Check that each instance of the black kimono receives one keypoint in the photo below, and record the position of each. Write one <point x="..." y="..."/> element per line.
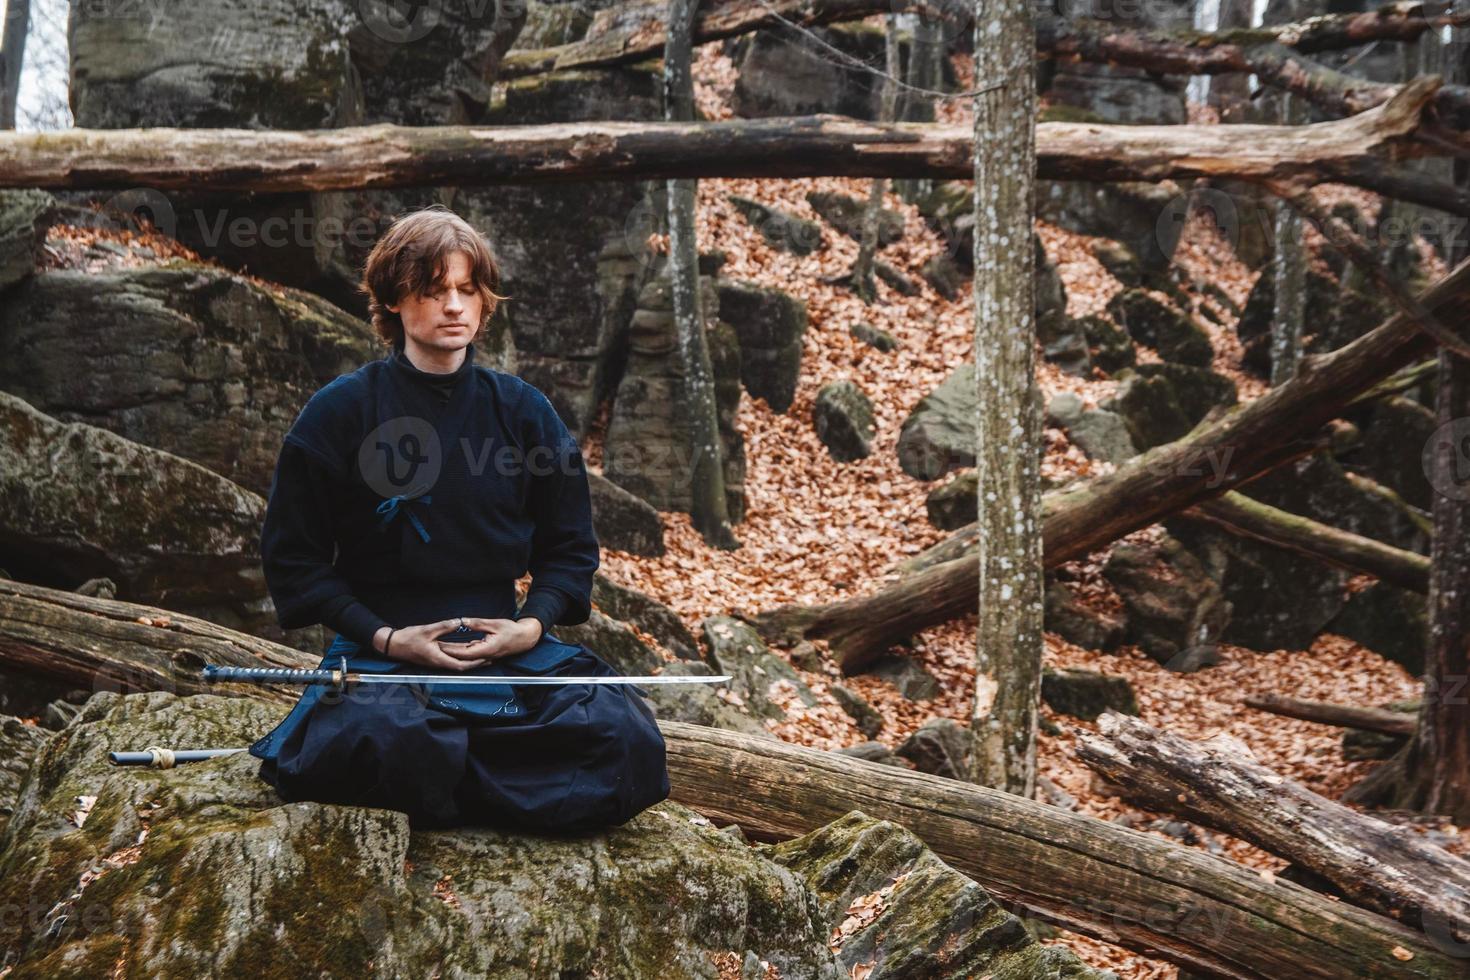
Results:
<point x="401" y="498"/>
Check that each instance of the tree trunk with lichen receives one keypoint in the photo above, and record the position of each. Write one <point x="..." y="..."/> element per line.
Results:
<point x="707" y="507"/>
<point x="1008" y="642"/>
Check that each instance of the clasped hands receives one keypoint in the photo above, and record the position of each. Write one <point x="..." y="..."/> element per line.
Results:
<point x="421" y="644"/>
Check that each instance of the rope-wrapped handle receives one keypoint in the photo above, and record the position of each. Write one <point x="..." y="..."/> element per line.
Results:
<point x="270" y="675"/>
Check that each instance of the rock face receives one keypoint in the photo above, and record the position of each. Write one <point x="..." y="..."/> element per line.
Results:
<point x="649" y="450"/>
<point x="573" y="255"/>
<point x="277" y="64"/>
<point x="78" y="502"/>
<point x="1390" y="621"/>
<point x="24" y="217"/>
<point x="940" y="746"/>
<point x="201" y="870"/>
<point x="782" y="77"/>
<point x="1076" y="623"/>
<point x="761" y="680"/>
<point x="646" y="613"/>
<point x="771" y="325"/>
<point x="181" y="357"/>
<point x="1086" y="694"/>
<point x="845" y="213"/>
<point x="782" y="230"/>
<point x="843" y="418"/>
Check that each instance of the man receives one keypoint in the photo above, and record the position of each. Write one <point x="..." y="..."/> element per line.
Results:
<point x="409" y="497"/>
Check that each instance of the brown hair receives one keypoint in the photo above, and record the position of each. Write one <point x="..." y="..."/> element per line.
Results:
<point x="413" y="255"/>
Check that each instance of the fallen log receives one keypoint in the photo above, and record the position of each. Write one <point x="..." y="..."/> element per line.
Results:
<point x="1247" y="518"/>
<point x="107" y="644"/>
<point x="1219" y="455"/>
<point x="1340" y="715"/>
<point x="1207" y="914"/>
<point x="1218" y="783"/>
<point x="1089" y="875"/>
<point x="1343" y="150"/>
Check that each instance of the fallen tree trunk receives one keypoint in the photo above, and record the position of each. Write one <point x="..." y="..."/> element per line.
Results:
<point x="1340" y="715"/>
<point x="1240" y="445"/>
<point x="1343" y="150"/>
<point x="1207" y="914"/>
<point x="1247" y="518"/>
<point x="105" y="644"/>
<point x="1100" y="879"/>
<point x="1218" y="783"/>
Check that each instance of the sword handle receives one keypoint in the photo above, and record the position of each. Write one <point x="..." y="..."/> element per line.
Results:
<point x="269" y="675"/>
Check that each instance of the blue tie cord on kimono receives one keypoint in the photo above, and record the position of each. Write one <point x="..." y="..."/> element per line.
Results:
<point x="509" y="495"/>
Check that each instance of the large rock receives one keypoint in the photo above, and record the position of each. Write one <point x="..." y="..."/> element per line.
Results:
<point x="1176" y="611"/>
<point x="183" y="357"/>
<point x="940" y="746"/>
<point x="702" y="704"/>
<point x="1076" y="623"/>
<point x="930" y="921"/>
<point x="939" y="434"/>
<point x="623" y="521"/>
<point x="649" y="447"/>
<point x="78" y="502"/>
<point x="1086" y="694"/>
<point x="1318" y="487"/>
<point x="1394" y="433"/>
<point x="1280" y="599"/>
<point x="771" y="325"/>
<point x="272" y="64"/>
<point x="1334" y="314"/>
<point x="782" y="230"/>
<point x="1136" y="214"/>
<point x="204" y="871"/>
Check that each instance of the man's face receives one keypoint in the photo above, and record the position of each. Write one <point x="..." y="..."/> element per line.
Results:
<point x="445" y="318"/>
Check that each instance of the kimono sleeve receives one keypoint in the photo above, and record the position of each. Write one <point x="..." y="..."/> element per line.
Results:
<point x="297" y="551"/>
<point x="564" y="551"/>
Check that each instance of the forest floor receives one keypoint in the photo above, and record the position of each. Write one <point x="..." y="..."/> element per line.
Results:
<point x="818" y="531"/>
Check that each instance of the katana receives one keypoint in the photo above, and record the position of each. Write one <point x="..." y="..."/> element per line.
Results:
<point x="339" y="676"/>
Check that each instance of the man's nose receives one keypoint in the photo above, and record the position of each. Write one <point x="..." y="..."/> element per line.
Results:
<point x="455" y="301"/>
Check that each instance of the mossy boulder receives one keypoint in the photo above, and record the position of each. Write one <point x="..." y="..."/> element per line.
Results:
<point x="648" y="614"/>
<point x="843" y="417"/>
<point x="1161" y="403"/>
<point x="1174" y="335"/>
<point x="1175" y="609"/>
<point x="1077" y="623"/>
<point x="735" y="648"/>
<point x="19" y="745"/>
<point x="845" y="213"/>
<point x="771" y="325"/>
<point x="201" y="870"/>
<point x="623" y="521"/>
<point x="916" y="916"/>
<point x="24" y="216"/>
<point x="1086" y="694"/>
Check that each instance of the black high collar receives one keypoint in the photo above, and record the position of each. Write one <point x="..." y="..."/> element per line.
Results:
<point x="400" y="363"/>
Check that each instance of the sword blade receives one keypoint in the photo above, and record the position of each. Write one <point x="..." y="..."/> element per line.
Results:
<point x="440" y="680"/>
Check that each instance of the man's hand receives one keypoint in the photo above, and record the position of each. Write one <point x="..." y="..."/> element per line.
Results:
<point x="420" y="645"/>
<point x="503" y="637"/>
